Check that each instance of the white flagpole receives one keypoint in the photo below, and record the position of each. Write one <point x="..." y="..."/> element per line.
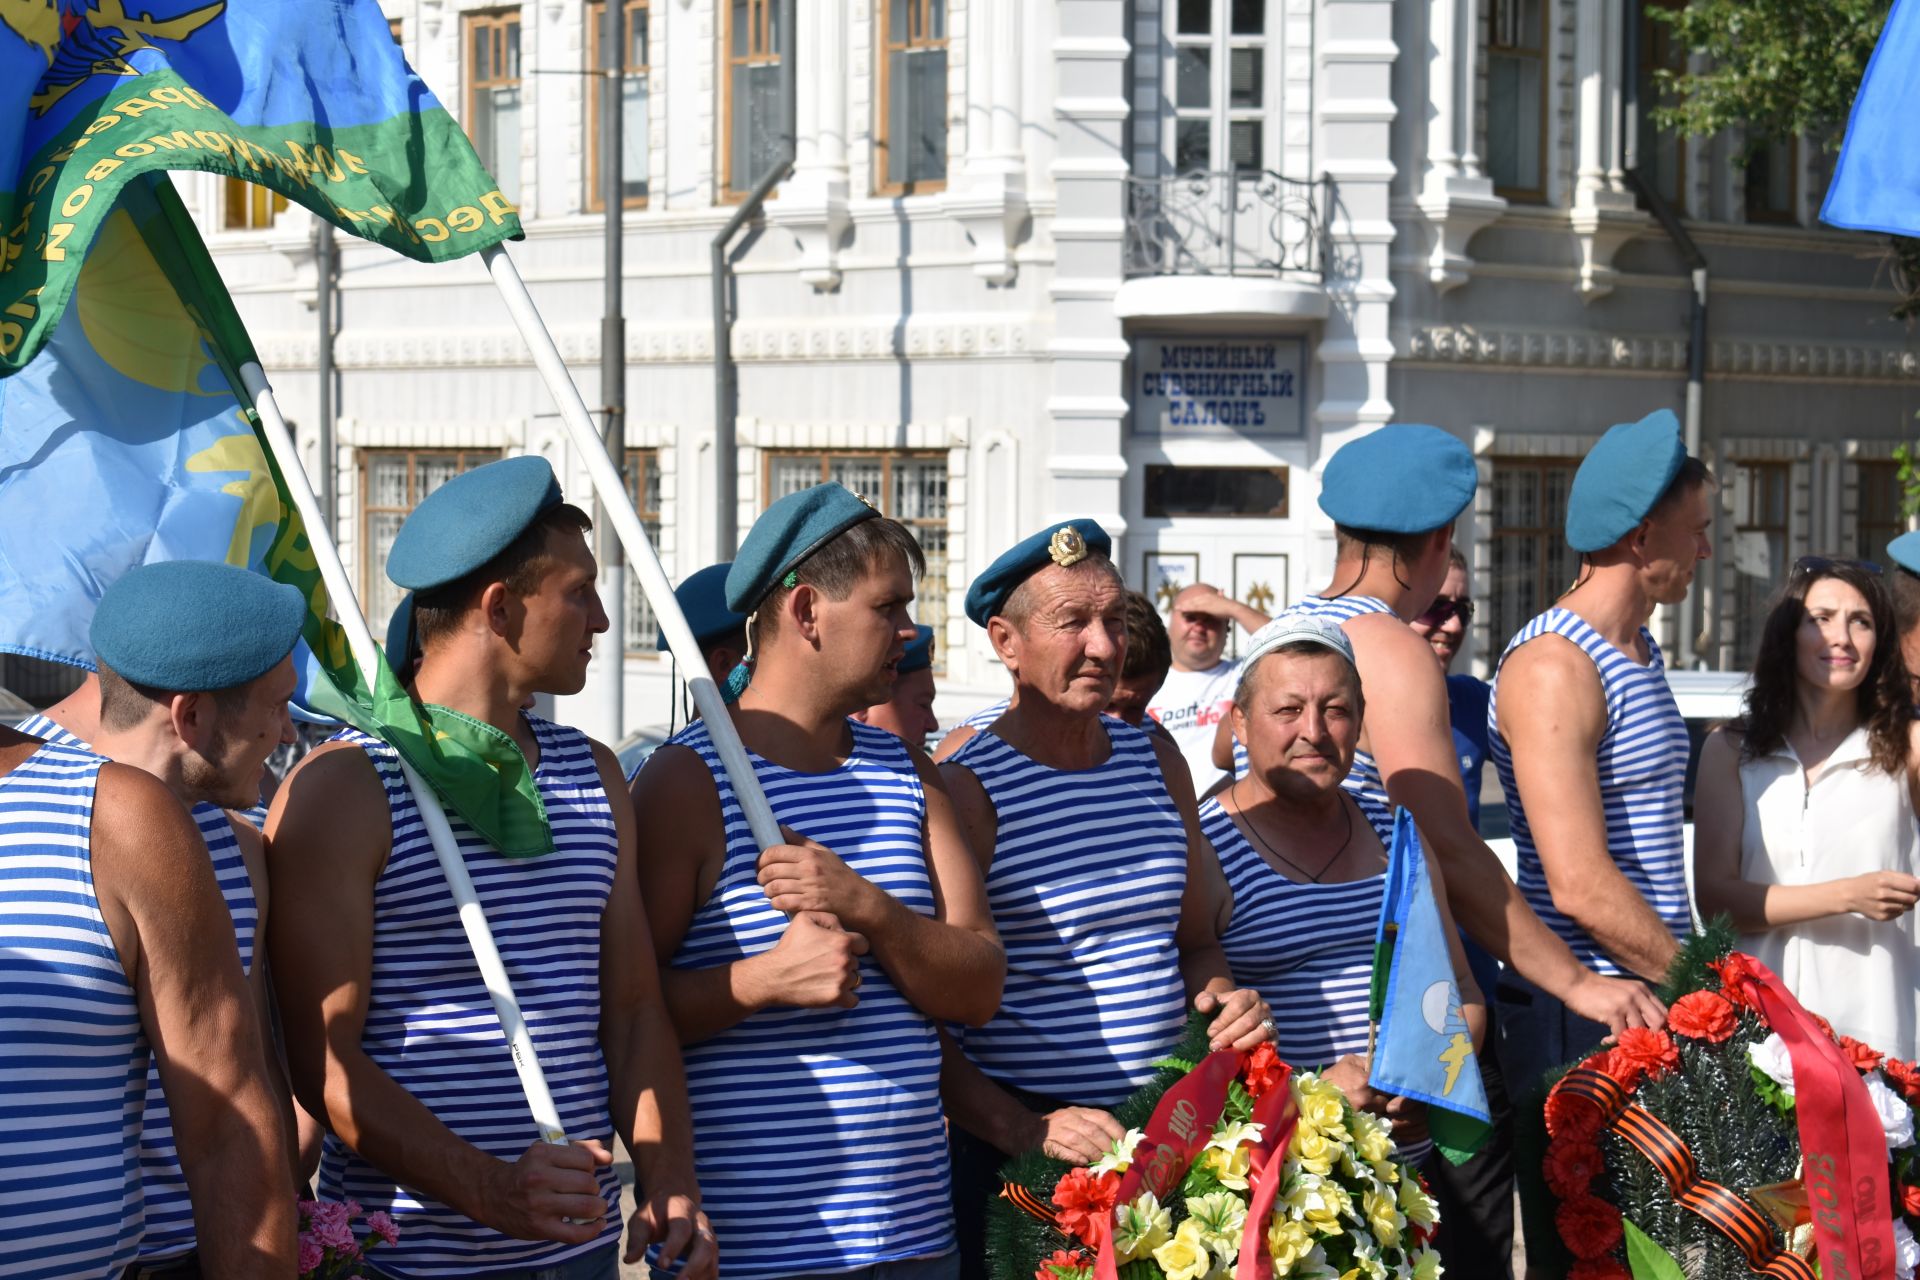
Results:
<point x="533" y="1081"/>
<point x="640" y="553"/>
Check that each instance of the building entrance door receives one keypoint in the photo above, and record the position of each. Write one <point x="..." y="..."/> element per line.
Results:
<point x="1252" y="564"/>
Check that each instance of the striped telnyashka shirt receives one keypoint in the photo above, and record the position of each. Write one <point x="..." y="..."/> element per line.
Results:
<point x="1089" y="867"/>
<point x="818" y="1136"/>
<point x="1363" y="781"/>
<point x="1643" y="773"/>
<point x="430" y="1024"/>
<point x="986" y="715"/>
<point x="169" y="1232"/>
<point x="73" y="1055"/>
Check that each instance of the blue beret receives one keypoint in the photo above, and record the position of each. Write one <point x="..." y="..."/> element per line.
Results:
<point x="919" y="655"/>
<point x="1066" y="543"/>
<point x="188" y="626"/>
<point x="703" y="598"/>
<point x="788" y="532"/>
<point x="469" y="520"/>
<point x="1621" y="479"/>
<point x="1905" y="552"/>
<point x="401" y="637"/>
<point x="1401" y="478"/>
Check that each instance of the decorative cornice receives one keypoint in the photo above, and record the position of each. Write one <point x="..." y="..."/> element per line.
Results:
<point x="1655" y="353"/>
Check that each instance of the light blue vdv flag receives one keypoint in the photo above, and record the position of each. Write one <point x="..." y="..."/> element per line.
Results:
<point x="1876" y="182"/>
<point x="1423" y="1050"/>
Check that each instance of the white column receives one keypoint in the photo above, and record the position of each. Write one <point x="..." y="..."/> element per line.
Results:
<point x="1589" y="65"/>
<point x="987" y="193"/>
<point x="979" y="40"/>
<point x="831" y="106"/>
<point x="1604" y="216"/>
<point x="813" y="202"/>
<point x="1466" y="63"/>
<point x="1614" y="144"/>
<point x="1008" y="71"/>
<point x="1444" y="72"/>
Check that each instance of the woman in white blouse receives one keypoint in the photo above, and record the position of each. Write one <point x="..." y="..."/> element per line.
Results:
<point x="1804" y="812"/>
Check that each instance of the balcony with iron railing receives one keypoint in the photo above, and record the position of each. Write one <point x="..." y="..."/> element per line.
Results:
<point x="1224" y="244"/>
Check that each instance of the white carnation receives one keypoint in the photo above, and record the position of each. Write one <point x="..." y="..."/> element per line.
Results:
<point x="1906" y="1251"/>
<point x="1770" y="1055"/>
<point x="1896" y="1117"/>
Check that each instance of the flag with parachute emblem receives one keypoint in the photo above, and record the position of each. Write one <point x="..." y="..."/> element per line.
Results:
<point x="308" y="97"/>
<point x="1422" y="1048"/>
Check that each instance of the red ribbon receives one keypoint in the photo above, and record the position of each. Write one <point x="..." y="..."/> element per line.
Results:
<point x="1842" y="1146"/>
<point x="1181" y="1126"/>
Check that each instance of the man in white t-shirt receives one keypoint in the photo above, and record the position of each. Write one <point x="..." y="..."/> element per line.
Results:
<point x="1199" y="689"/>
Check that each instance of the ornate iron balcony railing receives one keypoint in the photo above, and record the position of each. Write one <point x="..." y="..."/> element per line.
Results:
<point x="1250" y="222"/>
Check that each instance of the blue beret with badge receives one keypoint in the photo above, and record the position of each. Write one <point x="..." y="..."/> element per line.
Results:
<point x="1905" y="552"/>
<point x="402" y="638"/>
<point x="1400" y="478"/>
<point x="1622" y="478"/>
<point x="469" y="520"/>
<point x="786" y="533"/>
<point x="919" y="655"/>
<point x="1065" y="544"/>
<point x="191" y="626"/>
<point x="703" y="598"/>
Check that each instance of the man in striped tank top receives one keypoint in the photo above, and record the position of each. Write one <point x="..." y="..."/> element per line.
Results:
<point x="202" y="1145"/>
<point x="391" y="1036"/>
<point x="808" y="980"/>
<point x="174" y="626"/>
<point x="1588" y="739"/>
<point x="1393" y="496"/>
<point x="1107" y="897"/>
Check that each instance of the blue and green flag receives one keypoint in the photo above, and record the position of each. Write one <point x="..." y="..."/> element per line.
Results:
<point x="308" y="97"/>
<point x="1422" y="1048"/>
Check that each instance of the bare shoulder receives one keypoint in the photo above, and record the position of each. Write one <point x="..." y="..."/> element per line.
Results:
<point x="1549" y="682"/>
<point x="332" y="807"/>
<point x="675" y="798"/>
<point x="143" y="841"/>
<point x="958" y="737"/>
<point x="923" y="765"/>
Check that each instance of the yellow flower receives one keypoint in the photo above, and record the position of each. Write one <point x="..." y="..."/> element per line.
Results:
<point x="1119" y="1156"/>
<point x="1230" y="1167"/>
<point x="1371" y="1139"/>
<point x="1419" y="1207"/>
<point x="1322" y="1106"/>
<point x="1219" y="1217"/>
<point x="1288" y="1242"/>
<point x="1185" y="1257"/>
<point x="1384" y="1219"/>
<point x="1316" y="1202"/>
<point x="1141" y="1227"/>
<point x="1426" y="1265"/>
<point x="1315" y="1151"/>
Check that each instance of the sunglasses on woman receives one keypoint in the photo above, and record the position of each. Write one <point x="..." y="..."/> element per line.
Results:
<point x="1820" y="564"/>
<point x="1445" y="607"/>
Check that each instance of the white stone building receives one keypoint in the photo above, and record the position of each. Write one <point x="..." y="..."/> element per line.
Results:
<point x="1149" y="262"/>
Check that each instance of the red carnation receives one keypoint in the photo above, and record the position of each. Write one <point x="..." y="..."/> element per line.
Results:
<point x="1589" y="1226"/>
<point x="1572" y="1117"/>
<point x="1086" y="1201"/>
<point x="1064" y="1264"/>
<point x="1598" y="1269"/>
<point x="1653" y="1052"/>
<point x="1864" y="1057"/>
<point x="1737" y="979"/>
<point x="1263" y="1069"/>
<point x="1824" y="1026"/>
<point x="1910" y="1201"/>
<point x="1624" y="1070"/>
<point x="1703" y="1015"/>
<point x="1571" y="1167"/>
<point x="1905" y="1077"/>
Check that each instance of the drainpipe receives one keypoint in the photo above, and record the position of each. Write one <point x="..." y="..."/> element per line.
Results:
<point x="726" y="378"/>
<point x="1699" y="603"/>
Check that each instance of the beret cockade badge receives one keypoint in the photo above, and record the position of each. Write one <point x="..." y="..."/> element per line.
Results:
<point x="1067" y="547"/>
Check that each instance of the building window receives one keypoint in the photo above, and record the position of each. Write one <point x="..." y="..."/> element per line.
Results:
<point x="634" y="103"/>
<point x="1881" y="518"/>
<point x="493" y="94"/>
<point x="1760" y="492"/>
<point x="1218" y="77"/>
<point x="1663" y="155"/>
<point x="1532" y="563"/>
<point x="754" y="123"/>
<point x="910" y="487"/>
<point x="912" y="119"/>
<point x="643" y="486"/>
<point x="392" y="483"/>
<point x="250" y="207"/>
<point x="1771" y="189"/>
<point x="1517" y="99"/>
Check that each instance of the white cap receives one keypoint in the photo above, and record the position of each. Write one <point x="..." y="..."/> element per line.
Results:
<point x="1297" y="628"/>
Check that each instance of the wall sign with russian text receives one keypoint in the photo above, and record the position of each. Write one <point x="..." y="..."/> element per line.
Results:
<point x="1219" y="386"/>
